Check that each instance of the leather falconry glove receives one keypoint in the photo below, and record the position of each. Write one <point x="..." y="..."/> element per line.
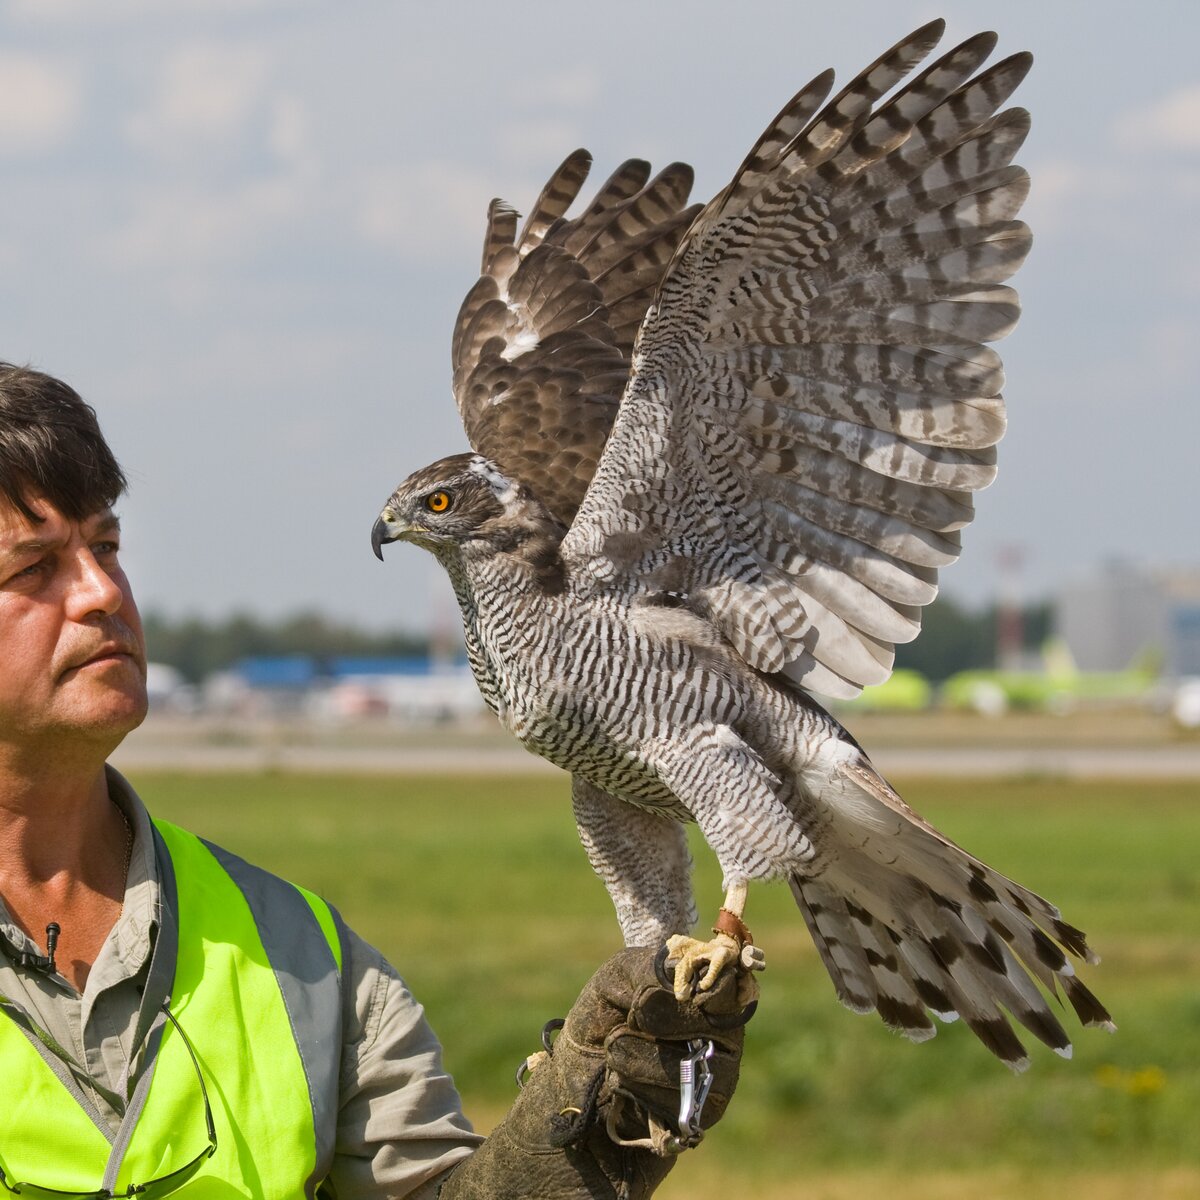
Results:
<point x="606" y="1109"/>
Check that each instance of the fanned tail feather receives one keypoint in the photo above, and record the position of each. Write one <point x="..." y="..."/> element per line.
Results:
<point x="910" y="925"/>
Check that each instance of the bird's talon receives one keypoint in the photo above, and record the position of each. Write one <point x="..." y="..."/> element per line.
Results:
<point x="698" y="965"/>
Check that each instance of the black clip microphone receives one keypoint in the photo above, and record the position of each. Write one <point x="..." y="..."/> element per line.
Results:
<point x="52" y="932"/>
<point x="36" y="962"/>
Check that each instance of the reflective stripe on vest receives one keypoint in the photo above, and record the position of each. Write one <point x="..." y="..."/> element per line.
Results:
<point x="257" y="989"/>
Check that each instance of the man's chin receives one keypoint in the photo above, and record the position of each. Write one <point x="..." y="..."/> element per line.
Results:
<point x="111" y="713"/>
<point x="113" y="727"/>
<point x="129" y="711"/>
<point x="135" y="716"/>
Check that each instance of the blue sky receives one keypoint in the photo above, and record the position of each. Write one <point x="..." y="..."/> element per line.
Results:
<point x="242" y="228"/>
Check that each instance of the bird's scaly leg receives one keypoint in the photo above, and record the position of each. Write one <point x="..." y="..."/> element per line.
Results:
<point x="698" y="964"/>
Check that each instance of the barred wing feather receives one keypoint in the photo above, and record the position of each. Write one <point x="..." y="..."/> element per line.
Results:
<point x="813" y="403"/>
<point x="542" y="345"/>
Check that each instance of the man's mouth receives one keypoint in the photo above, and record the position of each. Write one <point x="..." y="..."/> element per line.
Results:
<point x="110" y="652"/>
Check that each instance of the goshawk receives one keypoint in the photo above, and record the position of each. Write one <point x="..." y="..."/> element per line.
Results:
<point x="719" y="455"/>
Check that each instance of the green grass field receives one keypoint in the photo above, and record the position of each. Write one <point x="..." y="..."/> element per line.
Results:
<point x="480" y="893"/>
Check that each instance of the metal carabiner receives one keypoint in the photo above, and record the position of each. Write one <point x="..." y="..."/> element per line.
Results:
<point x="695" y="1081"/>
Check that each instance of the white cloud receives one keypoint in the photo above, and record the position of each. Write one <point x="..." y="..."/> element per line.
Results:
<point x="1170" y="350"/>
<point x="575" y="88"/>
<point x="289" y="136"/>
<point x="278" y="361"/>
<point x="1069" y="195"/>
<point x="540" y="144"/>
<point x="206" y="93"/>
<point x="434" y="209"/>
<point x="424" y="209"/>
<point x="39" y="103"/>
<point x="178" y="226"/>
<point x="1171" y="124"/>
<point x="112" y="12"/>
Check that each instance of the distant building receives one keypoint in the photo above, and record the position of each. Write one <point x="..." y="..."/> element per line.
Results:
<point x="1125" y="616"/>
<point x="280" y="684"/>
<point x="167" y="690"/>
<point x="411" y="689"/>
<point x="347" y="687"/>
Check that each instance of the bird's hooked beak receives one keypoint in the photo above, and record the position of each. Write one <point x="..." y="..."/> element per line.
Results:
<point x="386" y="529"/>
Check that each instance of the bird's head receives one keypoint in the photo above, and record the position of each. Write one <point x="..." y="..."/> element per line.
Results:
<point x="446" y="504"/>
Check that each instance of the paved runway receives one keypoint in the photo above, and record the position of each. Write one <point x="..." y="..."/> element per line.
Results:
<point x="1153" y="762"/>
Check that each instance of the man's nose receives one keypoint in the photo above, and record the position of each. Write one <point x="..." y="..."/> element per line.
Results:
<point x="92" y="589"/>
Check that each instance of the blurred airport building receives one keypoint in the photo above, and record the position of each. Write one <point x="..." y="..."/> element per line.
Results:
<point x="1127" y="636"/>
<point x="415" y="690"/>
<point x="1127" y="617"/>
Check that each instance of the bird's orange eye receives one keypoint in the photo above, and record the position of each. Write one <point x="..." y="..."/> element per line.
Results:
<point x="437" y="502"/>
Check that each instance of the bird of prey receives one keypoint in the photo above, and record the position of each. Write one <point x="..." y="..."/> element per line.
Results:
<point x="719" y="455"/>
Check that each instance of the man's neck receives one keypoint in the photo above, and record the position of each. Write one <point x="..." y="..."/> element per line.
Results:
<point x="64" y="849"/>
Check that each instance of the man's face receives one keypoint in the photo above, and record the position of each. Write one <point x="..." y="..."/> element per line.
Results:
<point x="72" y="657"/>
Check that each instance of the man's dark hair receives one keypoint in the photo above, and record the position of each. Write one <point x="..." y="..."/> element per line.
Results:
<point x="51" y="446"/>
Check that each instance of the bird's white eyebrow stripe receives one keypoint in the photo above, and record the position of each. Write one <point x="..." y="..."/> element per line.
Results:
<point x="504" y="488"/>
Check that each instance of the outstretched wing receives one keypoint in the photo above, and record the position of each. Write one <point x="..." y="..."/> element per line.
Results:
<point x="813" y="404"/>
<point x="543" y="340"/>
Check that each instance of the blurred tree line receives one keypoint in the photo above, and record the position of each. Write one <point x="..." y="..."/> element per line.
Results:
<point x="197" y="647"/>
<point x="953" y="638"/>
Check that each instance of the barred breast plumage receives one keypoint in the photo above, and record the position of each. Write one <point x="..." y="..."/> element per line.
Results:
<point x="720" y="454"/>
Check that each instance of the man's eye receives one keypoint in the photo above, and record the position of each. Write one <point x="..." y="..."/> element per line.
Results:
<point x="438" y="502"/>
<point x="32" y="571"/>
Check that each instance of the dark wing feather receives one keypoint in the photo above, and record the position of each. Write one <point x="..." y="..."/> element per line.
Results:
<point x="543" y="341"/>
<point x="814" y="404"/>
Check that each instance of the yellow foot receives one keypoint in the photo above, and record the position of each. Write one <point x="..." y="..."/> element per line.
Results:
<point x="698" y="965"/>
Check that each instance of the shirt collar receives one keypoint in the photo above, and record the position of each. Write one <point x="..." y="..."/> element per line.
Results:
<point x="141" y="910"/>
<point x="133" y="935"/>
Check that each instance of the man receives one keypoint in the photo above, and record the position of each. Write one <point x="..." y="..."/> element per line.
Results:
<point x="173" y="1019"/>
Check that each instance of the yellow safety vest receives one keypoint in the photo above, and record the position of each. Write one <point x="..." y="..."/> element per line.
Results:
<point x="257" y="990"/>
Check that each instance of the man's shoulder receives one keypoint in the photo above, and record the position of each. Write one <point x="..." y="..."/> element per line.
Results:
<point x="284" y="912"/>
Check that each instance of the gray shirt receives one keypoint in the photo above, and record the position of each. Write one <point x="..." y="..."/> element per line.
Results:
<point x="400" y="1121"/>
